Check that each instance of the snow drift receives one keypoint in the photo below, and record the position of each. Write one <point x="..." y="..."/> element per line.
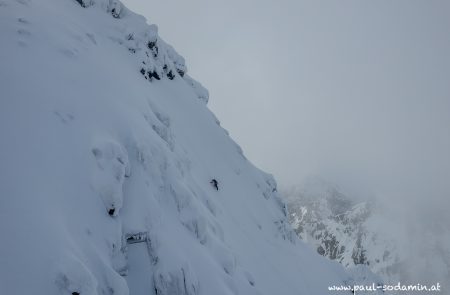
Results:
<point x="108" y="150"/>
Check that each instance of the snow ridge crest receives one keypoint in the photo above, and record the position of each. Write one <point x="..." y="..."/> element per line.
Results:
<point x="159" y="60"/>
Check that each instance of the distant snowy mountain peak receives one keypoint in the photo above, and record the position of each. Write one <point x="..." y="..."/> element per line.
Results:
<point x="341" y="228"/>
<point x="108" y="154"/>
<point x="368" y="236"/>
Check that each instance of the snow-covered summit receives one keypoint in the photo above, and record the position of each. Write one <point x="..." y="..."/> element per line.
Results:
<point x="108" y="156"/>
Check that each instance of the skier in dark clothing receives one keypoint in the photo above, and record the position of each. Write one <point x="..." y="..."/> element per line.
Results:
<point x="215" y="184"/>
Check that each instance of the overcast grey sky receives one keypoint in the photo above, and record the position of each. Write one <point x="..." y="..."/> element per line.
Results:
<point x="355" y="91"/>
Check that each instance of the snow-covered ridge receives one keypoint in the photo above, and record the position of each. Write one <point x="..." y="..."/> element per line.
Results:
<point x="107" y="178"/>
<point x="158" y="59"/>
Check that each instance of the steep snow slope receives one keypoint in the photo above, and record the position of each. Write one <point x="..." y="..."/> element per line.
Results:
<point x="107" y="152"/>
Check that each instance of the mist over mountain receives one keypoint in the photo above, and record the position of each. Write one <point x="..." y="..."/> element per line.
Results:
<point x="117" y="178"/>
<point x="368" y="231"/>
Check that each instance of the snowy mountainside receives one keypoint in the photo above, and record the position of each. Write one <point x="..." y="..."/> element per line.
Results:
<point x="108" y="153"/>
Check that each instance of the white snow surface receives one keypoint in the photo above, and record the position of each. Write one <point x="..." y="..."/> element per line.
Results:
<point x="94" y="148"/>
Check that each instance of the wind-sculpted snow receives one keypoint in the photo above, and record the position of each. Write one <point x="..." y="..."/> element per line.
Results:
<point x="113" y="167"/>
<point x="108" y="155"/>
